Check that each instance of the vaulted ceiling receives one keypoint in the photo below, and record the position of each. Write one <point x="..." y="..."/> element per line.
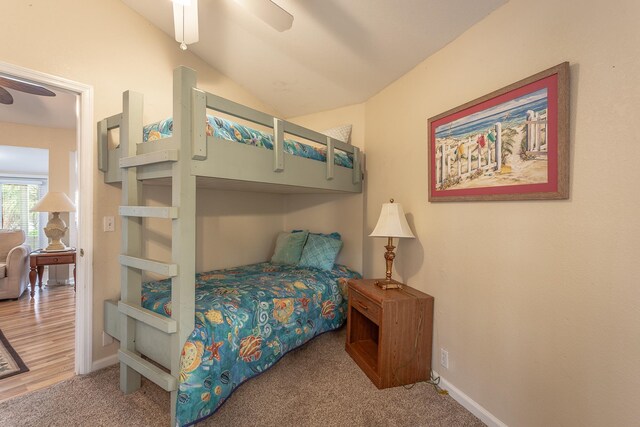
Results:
<point x="338" y="52"/>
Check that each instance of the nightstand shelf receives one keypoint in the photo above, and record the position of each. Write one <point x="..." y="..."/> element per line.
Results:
<point x="382" y="326"/>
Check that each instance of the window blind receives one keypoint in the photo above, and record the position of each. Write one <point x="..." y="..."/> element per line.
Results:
<point x="17" y="196"/>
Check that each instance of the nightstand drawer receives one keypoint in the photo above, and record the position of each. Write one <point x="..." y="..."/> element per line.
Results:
<point x="365" y="306"/>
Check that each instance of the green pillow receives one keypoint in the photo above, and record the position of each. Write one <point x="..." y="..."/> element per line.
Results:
<point x="320" y="252"/>
<point x="289" y="247"/>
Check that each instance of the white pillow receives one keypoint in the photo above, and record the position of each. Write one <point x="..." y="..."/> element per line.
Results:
<point x="341" y="133"/>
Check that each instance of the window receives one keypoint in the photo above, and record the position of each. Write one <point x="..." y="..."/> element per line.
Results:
<point x="17" y="197"/>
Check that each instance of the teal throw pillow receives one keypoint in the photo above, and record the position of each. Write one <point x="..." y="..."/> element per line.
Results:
<point x="289" y="247"/>
<point x="320" y="252"/>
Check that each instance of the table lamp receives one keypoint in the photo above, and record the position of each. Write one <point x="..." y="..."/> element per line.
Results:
<point x="392" y="223"/>
<point x="55" y="202"/>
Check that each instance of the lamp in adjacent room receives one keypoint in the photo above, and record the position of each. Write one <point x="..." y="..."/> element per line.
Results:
<point x="392" y="223"/>
<point x="55" y="202"/>
<point x="185" y="22"/>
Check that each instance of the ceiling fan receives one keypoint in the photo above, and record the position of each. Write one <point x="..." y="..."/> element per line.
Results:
<point x="185" y="17"/>
<point x="22" y="86"/>
<point x="269" y="12"/>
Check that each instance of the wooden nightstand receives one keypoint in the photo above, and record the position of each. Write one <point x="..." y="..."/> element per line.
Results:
<point x="382" y="328"/>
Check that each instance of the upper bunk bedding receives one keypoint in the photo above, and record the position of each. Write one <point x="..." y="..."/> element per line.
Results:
<point x="231" y="131"/>
<point x="247" y="318"/>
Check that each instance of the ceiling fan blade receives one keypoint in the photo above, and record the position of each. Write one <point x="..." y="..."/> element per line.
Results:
<point x="270" y="13"/>
<point x="22" y="86"/>
<point x="5" y="97"/>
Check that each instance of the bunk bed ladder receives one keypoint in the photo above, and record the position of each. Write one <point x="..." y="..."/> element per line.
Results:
<point x="182" y="269"/>
<point x="132" y="365"/>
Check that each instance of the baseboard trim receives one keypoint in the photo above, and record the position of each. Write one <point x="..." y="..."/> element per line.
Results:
<point x="471" y="405"/>
<point x="104" y="362"/>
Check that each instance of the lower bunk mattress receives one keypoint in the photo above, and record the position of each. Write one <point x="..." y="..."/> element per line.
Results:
<point x="247" y="318"/>
<point x="234" y="132"/>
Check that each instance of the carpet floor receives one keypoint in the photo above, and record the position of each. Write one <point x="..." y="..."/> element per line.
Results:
<point x="316" y="385"/>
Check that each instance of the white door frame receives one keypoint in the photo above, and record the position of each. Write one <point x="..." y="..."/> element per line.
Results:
<point x="86" y="152"/>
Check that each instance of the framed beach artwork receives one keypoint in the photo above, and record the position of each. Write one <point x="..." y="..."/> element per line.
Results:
<point x="512" y="144"/>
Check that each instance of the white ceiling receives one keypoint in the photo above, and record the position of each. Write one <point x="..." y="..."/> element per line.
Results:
<point x="50" y="111"/>
<point x="338" y="52"/>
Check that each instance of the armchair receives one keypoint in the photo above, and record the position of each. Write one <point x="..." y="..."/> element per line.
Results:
<point x="14" y="264"/>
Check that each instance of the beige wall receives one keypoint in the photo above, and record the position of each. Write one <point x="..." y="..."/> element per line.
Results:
<point x="536" y="302"/>
<point x="330" y="212"/>
<point x="233" y="228"/>
<point x="107" y="45"/>
<point x="59" y="142"/>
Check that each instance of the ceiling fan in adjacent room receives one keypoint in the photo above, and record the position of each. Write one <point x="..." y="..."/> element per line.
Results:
<point x="185" y="18"/>
<point x="22" y="86"/>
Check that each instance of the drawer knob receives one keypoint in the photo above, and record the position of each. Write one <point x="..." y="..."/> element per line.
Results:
<point x="55" y="260"/>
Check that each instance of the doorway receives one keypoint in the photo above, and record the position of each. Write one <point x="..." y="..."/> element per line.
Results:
<point x="84" y="202"/>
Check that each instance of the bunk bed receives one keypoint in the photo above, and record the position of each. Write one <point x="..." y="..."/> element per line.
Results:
<point x="157" y="322"/>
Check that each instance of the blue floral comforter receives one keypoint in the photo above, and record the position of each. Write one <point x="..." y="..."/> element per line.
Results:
<point x="247" y="318"/>
<point x="231" y="131"/>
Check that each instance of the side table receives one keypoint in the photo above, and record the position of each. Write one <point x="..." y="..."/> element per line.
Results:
<point x="389" y="332"/>
<point x="38" y="259"/>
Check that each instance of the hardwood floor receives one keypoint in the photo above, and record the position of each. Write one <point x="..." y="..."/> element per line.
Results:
<point x="42" y="332"/>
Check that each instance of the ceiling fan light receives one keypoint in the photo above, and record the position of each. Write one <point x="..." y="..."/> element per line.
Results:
<point x="185" y="21"/>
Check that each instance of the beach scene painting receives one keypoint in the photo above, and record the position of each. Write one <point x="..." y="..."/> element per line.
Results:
<point x="503" y="146"/>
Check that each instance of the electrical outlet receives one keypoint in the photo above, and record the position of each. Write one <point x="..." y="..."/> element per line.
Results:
<point x="108" y="223"/>
<point x="106" y="339"/>
<point x="444" y="358"/>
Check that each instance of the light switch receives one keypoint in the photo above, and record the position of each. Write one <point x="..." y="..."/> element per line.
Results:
<point x="108" y="223"/>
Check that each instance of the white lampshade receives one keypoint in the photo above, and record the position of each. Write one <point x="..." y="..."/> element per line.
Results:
<point x="185" y="22"/>
<point x="54" y="201"/>
<point x="392" y="222"/>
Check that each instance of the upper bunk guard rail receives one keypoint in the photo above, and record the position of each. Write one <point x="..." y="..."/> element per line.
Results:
<point x="205" y="100"/>
<point x="278" y="145"/>
<point x="206" y="153"/>
<point x="330" y="150"/>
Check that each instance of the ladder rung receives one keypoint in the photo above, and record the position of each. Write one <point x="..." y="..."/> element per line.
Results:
<point x="147" y="369"/>
<point x="170" y="212"/>
<point x="170" y="270"/>
<point x="158" y="321"/>
<point x="149" y="158"/>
